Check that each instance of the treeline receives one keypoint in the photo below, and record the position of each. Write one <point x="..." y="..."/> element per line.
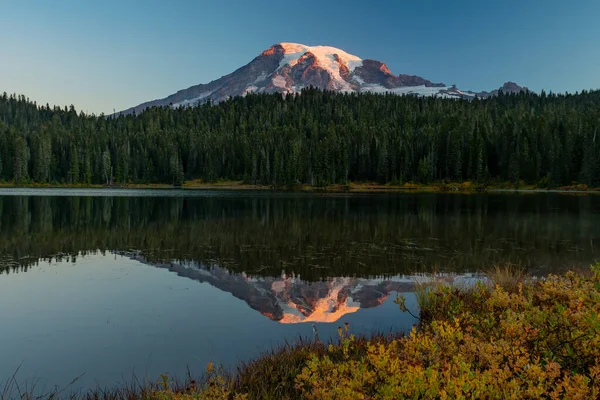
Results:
<point x="315" y="138"/>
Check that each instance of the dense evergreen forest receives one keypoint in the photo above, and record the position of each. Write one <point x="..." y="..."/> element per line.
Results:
<point x="315" y="138"/>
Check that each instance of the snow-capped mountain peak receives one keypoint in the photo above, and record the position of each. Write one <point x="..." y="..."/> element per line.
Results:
<point x="290" y="67"/>
<point x="328" y="57"/>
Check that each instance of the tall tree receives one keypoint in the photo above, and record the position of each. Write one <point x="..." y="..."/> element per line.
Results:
<point x="21" y="159"/>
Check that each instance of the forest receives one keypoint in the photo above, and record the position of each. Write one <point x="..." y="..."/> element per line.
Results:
<point x="316" y="138"/>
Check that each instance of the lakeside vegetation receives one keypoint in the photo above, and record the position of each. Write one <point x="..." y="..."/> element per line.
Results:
<point x="315" y="139"/>
<point x="510" y="336"/>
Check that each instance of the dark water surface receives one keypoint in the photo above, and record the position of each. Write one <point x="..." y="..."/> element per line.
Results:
<point x="110" y="283"/>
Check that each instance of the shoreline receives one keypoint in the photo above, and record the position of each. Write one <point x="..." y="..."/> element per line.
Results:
<point x="352" y="187"/>
<point x="541" y="342"/>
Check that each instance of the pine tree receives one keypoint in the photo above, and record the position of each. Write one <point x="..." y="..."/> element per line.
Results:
<point x="107" y="167"/>
<point x="74" y="166"/>
<point x="20" y="161"/>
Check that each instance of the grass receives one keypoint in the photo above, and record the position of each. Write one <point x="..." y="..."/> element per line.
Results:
<point x="509" y="277"/>
<point x="507" y="336"/>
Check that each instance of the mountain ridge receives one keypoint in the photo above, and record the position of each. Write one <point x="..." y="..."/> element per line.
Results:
<point x="290" y="67"/>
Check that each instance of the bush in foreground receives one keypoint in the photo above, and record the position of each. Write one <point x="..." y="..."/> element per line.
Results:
<point x="541" y="340"/>
<point x="536" y="339"/>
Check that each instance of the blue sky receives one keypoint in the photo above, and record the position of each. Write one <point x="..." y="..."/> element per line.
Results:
<point x="105" y="55"/>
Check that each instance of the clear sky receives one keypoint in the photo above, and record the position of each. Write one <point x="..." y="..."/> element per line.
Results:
<point x="113" y="54"/>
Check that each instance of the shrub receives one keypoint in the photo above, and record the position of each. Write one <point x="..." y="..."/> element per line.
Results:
<point x="509" y="337"/>
<point x="540" y="339"/>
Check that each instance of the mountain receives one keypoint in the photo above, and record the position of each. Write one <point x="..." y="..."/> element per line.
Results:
<point x="291" y="67"/>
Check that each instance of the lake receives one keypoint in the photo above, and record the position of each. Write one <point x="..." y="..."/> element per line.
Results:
<point x="112" y="283"/>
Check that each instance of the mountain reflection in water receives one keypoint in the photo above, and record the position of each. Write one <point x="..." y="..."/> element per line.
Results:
<point x="288" y="299"/>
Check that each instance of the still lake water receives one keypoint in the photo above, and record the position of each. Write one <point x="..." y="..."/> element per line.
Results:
<point x="112" y="283"/>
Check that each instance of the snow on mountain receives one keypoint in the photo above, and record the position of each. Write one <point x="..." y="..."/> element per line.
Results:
<point x="326" y="55"/>
<point x="328" y="58"/>
<point x="291" y="67"/>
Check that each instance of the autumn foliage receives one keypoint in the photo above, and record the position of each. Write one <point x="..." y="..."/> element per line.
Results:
<point x="536" y="339"/>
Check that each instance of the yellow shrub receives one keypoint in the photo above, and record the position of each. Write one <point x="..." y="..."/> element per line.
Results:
<point x="515" y="339"/>
<point x="541" y="340"/>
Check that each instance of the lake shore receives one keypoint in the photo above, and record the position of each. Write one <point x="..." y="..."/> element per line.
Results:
<point x="352" y="187"/>
<point x="511" y="336"/>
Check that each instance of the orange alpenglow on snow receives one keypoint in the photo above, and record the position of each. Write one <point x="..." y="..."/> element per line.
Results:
<point x="328" y="309"/>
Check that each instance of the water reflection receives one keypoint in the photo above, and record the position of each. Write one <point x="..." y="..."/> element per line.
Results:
<point x="288" y="299"/>
<point x="112" y="316"/>
<point x="145" y="284"/>
<point x="312" y="236"/>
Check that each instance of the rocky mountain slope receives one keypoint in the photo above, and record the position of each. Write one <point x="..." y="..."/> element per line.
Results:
<point x="291" y="67"/>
